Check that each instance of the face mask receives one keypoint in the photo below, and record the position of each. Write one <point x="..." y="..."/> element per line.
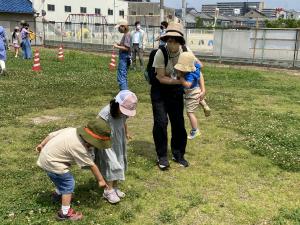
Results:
<point x="173" y="46"/>
<point x="120" y="30"/>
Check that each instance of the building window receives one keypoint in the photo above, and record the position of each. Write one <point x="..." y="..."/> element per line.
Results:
<point x="97" y="27"/>
<point x="110" y="12"/>
<point x="68" y="26"/>
<point x="150" y="14"/>
<point x="82" y="9"/>
<point x="51" y="7"/>
<point x="67" y="8"/>
<point x="121" y="13"/>
<point x="97" y="11"/>
<point x="133" y="12"/>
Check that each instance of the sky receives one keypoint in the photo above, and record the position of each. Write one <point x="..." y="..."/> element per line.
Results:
<point x="286" y="4"/>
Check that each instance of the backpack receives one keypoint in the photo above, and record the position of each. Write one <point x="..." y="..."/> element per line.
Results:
<point x="150" y="74"/>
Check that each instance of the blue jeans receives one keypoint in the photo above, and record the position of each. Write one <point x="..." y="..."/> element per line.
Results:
<point x="122" y="71"/>
<point x="26" y="48"/>
<point x="65" y="183"/>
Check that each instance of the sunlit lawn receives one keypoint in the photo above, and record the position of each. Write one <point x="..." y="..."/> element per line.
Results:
<point x="244" y="168"/>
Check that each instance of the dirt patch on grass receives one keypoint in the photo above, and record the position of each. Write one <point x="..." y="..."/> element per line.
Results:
<point x="45" y="119"/>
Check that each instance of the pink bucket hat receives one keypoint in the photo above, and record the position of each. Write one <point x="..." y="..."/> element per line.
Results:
<point x="127" y="101"/>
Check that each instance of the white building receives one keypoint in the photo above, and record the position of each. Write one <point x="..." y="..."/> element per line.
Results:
<point x="109" y="11"/>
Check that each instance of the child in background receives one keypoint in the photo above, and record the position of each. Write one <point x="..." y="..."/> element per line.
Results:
<point x="113" y="162"/>
<point x="124" y="54"/>
<point x="194" y="88"/>
<point x="60" y="149"/>
<point x="2" y="50"/>
<point x="16" y="41"/>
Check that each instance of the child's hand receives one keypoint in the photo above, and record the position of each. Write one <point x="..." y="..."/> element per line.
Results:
<point x="39" y="148"/>
<point x="102" y="183"/>
<point x="202" y="94"/>
<point x="181" y="78"/>
<point x="128" y="137"/>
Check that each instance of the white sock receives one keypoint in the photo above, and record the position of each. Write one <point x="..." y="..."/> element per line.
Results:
<point x="65" y="209"/>
<point x="57" y="191"/>
<point x="2" y="64"/>
<point x="108" y="191"/>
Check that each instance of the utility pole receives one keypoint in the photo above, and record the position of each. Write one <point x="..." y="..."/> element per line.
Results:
<point x="114" y="11"/>
<point x="162" y="10"/>
<point x="183" y="12"/>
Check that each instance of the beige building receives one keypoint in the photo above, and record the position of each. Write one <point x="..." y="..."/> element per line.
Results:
<point x="148" y="13"/>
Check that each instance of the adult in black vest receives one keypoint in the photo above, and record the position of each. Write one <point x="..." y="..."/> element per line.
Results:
<point x="167" y="99"/>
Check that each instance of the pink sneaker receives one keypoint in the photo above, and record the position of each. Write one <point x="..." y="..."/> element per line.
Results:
<point x="72" y="215"/>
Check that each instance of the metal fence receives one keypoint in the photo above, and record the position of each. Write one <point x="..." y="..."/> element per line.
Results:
<point x="271" y="47"/>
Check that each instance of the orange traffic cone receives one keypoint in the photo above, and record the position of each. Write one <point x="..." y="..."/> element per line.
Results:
<point x="36" y="61"/>
<point x="61" y="53"/>
<point x="112" y="65"/>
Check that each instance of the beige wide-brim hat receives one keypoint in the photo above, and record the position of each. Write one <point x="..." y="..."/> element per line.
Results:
<point x="121" y="23"/>
<point x="174" y="29"/>
<point x="186" y="62"/>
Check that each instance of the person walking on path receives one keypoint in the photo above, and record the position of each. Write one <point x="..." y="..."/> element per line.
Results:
<point x="124" y="54"/>
<point x="137" y="45"/>
<point x="113" y="162"/>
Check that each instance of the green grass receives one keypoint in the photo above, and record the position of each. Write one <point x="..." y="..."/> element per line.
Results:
<point x="244" y="168"/>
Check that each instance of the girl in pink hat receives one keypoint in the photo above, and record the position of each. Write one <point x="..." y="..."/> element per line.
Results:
<point x="16" y="40"/>
<point x="113" y="162"/>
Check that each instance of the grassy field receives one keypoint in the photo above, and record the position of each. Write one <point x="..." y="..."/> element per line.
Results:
<point x="244" y="168"/>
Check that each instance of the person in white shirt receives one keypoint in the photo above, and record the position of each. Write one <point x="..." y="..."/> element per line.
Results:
<point x="137" y="45"/>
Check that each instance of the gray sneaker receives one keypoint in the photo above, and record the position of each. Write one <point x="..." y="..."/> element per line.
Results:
<point x="120" y="193"/>
<point x="111" y="196"/>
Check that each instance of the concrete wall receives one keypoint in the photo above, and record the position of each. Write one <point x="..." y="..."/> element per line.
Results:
<point x="256" y="45"/>
<point x="10" y="20"/>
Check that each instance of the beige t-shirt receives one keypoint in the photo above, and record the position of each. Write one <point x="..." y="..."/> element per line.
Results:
<point x="64" y="149"/>
<point x="159" y="62"/>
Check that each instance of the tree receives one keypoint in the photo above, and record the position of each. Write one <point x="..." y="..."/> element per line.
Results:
<point x="283" y="23"/>
<point x="199" y="22"/>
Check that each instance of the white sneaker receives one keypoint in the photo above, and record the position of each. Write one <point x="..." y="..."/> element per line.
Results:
<point x="111" y="196"/>
<point x="120" y="193"/>
<point x="193" y="134"/>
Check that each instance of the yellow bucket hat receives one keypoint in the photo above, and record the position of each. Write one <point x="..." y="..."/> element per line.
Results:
<point x="186" y="62"/>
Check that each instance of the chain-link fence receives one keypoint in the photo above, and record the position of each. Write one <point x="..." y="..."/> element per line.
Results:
<point x="273" y="47"/>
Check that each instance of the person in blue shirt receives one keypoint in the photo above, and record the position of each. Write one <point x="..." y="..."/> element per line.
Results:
<point x="192" y="80"/>
<point x="163" y="28"/>
<point x="2" y="50"/>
